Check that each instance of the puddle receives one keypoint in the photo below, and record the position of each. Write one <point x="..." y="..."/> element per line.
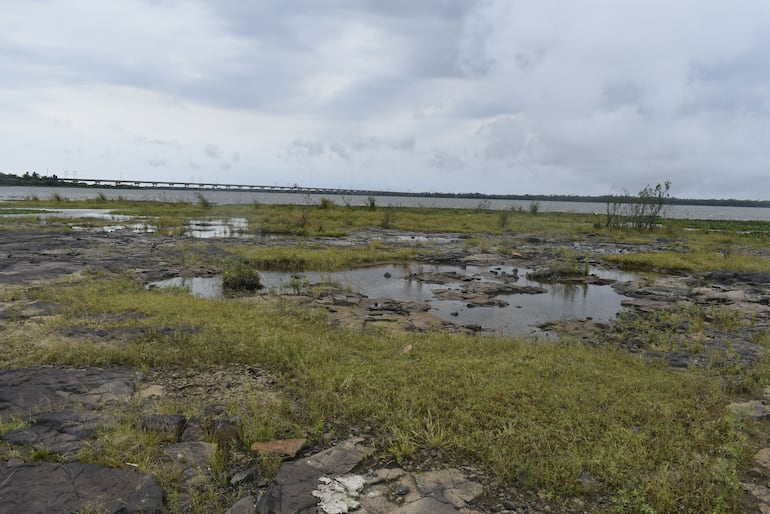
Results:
<point x="72" y="213"/>
<point x="138" y="228"/>
<point x="519" y="317"/>
<point x="203" y="287"/>
<point x="231" y="227"/>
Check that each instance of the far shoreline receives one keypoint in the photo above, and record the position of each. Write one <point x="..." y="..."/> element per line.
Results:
<point x="35" y="180"/>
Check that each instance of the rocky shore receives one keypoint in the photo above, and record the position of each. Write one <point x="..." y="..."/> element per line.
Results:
<point x="60" y="410"/>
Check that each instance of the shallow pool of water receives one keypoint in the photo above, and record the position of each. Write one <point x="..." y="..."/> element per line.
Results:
<point x="521" y="316"/>
<point x="208" y="228"/>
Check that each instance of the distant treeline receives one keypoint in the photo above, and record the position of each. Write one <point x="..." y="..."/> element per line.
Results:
<point x="35" y="179"/>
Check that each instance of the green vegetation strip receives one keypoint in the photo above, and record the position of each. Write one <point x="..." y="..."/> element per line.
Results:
<point x="540" y="415"/>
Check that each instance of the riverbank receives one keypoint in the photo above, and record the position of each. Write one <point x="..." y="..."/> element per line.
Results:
<point x="692" y="210"/>
<point x="626" y="414"/>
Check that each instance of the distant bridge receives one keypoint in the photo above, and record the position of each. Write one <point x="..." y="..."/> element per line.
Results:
<point x="165" y="184"/>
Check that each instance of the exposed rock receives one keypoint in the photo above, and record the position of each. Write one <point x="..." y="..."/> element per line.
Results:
<point x="296" y="480"/>
<point x="245" y="505"/>
<point x="733" y="277"/>
<point x="191" y="460"/>
<point x="754" y="409"/>
<point x="762" y="461"/>
<point x="44" y="488"/>
<point x="30" y="391"/>
<point x="448" y="486"/>
<point x="169" y="426"/>
<point x="227" y="429"/>
<point x="63" y="433"/>
<point x="338" y="495"/>
<point x="282" y="447"/>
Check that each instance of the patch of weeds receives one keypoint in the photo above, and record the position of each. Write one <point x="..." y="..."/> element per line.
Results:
<point x="402" y="446"/>
<point x="567" y="264"/>
<point x="240" y="275"/>
<point x="327" y="204"/>
<point x="389" y="217"/>
<point x="503" y="218"/>
<point x="12" y="423"/>
<point x="371" y="203"/>
<point x="631" y="501"/>
<point x="202" y="202"/>
<point x="762" y="338"/>
<point x="725" y="318"/>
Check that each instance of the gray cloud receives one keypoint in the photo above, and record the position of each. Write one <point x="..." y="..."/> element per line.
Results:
<point x="213" y="151"/>
<point x="158" y="163"/>
<point x="566" y="96"/>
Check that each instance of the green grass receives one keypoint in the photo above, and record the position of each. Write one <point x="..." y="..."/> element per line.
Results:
<point x="279" y="258"/>
<point x="532" y="415"/>
<point x="537" y="415"/>
<point x="697" y="256"/>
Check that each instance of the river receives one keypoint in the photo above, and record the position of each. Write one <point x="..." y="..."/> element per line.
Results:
<point x="706" y="212"/>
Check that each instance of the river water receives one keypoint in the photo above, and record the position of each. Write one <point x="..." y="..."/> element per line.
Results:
<point x="705" y="212"/>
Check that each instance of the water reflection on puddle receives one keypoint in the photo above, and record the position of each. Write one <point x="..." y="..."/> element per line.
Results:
<point x="520" y="316"/>
<point x="231" y="227"/>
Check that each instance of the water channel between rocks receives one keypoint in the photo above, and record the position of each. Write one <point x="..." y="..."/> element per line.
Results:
<point x="520" y="317"/>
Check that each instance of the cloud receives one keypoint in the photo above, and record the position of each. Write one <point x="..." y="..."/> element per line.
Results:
<point x="446" y="161"/>
<point x="552" y="97"/>
<point x="213" y="151"/>
<point x="158" y="163"/>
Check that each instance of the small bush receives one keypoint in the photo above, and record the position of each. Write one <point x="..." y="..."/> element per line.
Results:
<point x="388" y="217"/>
<point x="203" y="202"/>
<point x="240" y="275"/>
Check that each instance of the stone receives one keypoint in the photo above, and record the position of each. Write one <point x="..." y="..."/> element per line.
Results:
<point x="192" y="431"/>
<point x="338" y="495"/>
<point x="228" y="429"/>
<point x="63" y="433"/>
<point x="152" y="391"/>
<point x="281" y="447"/>
<point x="168" y="426"/>
<point x="191" y="459"/>
<point x="449" y="486"/>
<point x="241" y="476"/>
<point x="754" y="409"/>
<point x="246" y="505"/>
<point x="762" y="461"/>
<point x="426" y="505"/>
<point x="296" y="480"/>
<point x="588" y="482"/>
<point x="26" y="392"/>
<point x="44" y="487"/>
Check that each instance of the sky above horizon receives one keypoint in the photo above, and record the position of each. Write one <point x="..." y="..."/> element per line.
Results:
<point x="501" y="97"/>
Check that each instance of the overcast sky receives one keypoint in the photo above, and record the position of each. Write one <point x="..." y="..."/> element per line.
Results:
<point x="510" y="96"/>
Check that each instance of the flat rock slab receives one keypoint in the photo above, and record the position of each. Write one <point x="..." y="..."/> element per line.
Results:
<point x="30" y="391"/>
<point x="296" y="480"/>
<point x="47" y="488"/>
<point x="322" y="483"/>
<point x="62" y="432"/>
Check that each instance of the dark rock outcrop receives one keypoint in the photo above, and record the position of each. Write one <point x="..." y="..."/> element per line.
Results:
<point x="47" y="488"/>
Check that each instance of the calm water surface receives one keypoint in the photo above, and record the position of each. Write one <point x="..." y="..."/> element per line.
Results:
<point x="243" y="197"/>
<point x="520" y="317"/>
